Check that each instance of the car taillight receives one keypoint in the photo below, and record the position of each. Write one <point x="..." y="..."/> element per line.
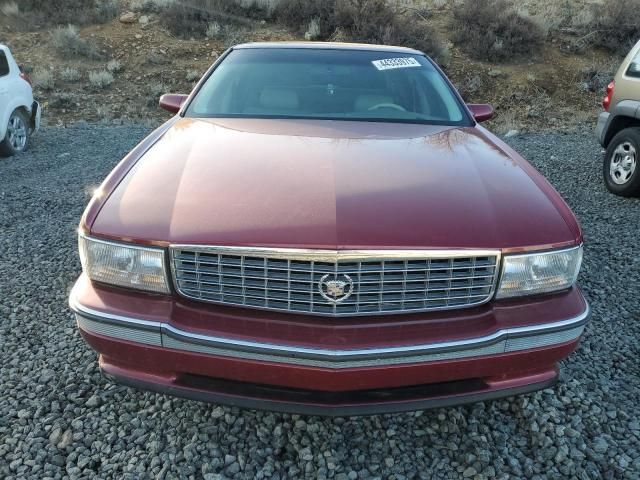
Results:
<point x="606" y="101"/>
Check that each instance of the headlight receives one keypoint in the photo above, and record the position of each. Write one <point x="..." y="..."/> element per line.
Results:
<point x="123" y="265"/>
<point x="539" y="272"/>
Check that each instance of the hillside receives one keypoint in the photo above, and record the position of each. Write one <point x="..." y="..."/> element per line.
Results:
<point x="114" y="67"/>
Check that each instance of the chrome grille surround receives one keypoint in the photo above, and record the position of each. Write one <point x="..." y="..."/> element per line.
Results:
<point x="384" y="281"/>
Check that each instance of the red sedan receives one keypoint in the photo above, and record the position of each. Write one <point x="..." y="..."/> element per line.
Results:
<point x="326" y="229"/>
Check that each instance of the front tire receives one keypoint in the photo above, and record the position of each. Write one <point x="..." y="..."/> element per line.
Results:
<point x="16" y="140"/>
<point x="621" y="167"/>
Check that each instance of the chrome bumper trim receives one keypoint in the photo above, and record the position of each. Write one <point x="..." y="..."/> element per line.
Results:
<point x="164" y="335"/>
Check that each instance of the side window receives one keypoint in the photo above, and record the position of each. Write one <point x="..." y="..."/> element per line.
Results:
<point x="634" y="67"/>
<point x="4" y="64"/>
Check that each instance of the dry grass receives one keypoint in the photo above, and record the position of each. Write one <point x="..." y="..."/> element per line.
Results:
<point x="43" y="79"/>
<point x="100" y="79"/>
<point x="69" y="74"/>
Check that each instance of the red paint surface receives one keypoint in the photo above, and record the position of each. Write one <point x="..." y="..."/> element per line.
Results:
<point x="331" y="184"/>
<point x="146" y="363"/>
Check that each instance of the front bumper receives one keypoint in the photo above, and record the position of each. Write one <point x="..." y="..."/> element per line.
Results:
<point x="153" y="352"/>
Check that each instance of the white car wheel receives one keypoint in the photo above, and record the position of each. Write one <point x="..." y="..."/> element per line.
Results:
<point x="16" y="139"/>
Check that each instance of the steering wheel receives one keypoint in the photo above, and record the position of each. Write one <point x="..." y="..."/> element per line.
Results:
<point x="388" y="105"/>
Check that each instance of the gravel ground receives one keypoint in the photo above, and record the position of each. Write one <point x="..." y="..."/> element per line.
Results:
<point x="60" y="418"/>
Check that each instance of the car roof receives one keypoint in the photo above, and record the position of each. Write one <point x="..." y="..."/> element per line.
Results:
<point x="329" y="46"/>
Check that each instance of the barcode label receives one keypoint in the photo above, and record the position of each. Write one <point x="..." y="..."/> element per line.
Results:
<point x="389" y="63"/>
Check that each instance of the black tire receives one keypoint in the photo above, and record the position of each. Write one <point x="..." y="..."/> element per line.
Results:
<point x="621" y="167"/>
<point x="9" y="148"/>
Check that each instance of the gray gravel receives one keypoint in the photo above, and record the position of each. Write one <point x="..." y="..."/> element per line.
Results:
<point x="60" y="418"/>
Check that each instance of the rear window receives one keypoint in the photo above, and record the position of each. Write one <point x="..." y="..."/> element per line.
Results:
<point x="634" y="67"/>
<point x="328" y="84"/>
<point x="4" y="64"/>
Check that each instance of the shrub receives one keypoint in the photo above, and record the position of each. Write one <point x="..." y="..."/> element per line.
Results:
<point x="43" y="79"/>
<point x="214" y="30"/>
<point x="615" y="26"/>
<point x="192" y="75"/>
<point x="101" y="79"/>
<point x="114" y="66"/>
<point x="106" y="10"/>
<point x="61" y="100"/>
<point x="156" y="57"/>
<point x="59" y="12"/>
<point x="369" y="21"/>
<point x="493" y="30"/>
<point x="185" y="20"/>
<point x="191" y="18"/>
<point x="313" y="32"/>
<point x="10" y="9"/>
<point x="297" y="14"/>
<point x="376" y="21"/>
<point x="69" y="74"/>
<point x="155" y="92"/>
<point x="596" y="77"/>
<point x="253" y="8"/>
<point x="234" y="37"/>
<point x="68" y="43"/>
<point x="149" y="6"/>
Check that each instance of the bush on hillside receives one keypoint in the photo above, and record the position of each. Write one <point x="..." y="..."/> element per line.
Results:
<point x="367" y="21"/>
<point x="299" y="13"/>
<point x="192" y="18"/>
<point x="36" y="13"/>
<point x="493" y="30"/>
<point x="615" y="26"/>
<point x="69" y="44"/>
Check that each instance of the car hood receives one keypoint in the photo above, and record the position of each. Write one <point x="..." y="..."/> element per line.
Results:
<point x="333" y="184"/>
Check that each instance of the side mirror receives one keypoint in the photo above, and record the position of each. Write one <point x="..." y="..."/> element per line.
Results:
<point x="172" y="102"/>
<point x="481" y="111"/>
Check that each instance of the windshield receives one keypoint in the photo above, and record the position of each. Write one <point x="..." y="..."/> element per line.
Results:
<point x="328" y="84"/>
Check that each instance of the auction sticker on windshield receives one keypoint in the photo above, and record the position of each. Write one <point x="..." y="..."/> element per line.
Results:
<point x="389" y="63"/>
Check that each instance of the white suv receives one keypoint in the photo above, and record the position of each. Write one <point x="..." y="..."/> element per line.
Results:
<point x="19" y="113"/>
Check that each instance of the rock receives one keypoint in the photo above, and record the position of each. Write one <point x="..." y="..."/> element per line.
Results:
<point x="600" y="445"/>
<point x="511" y="133"/>
<point x="469" y="472"/>
<point x="128" y="18"/>
<point x="65" y="440"/>
<point x="143" y="20"/>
